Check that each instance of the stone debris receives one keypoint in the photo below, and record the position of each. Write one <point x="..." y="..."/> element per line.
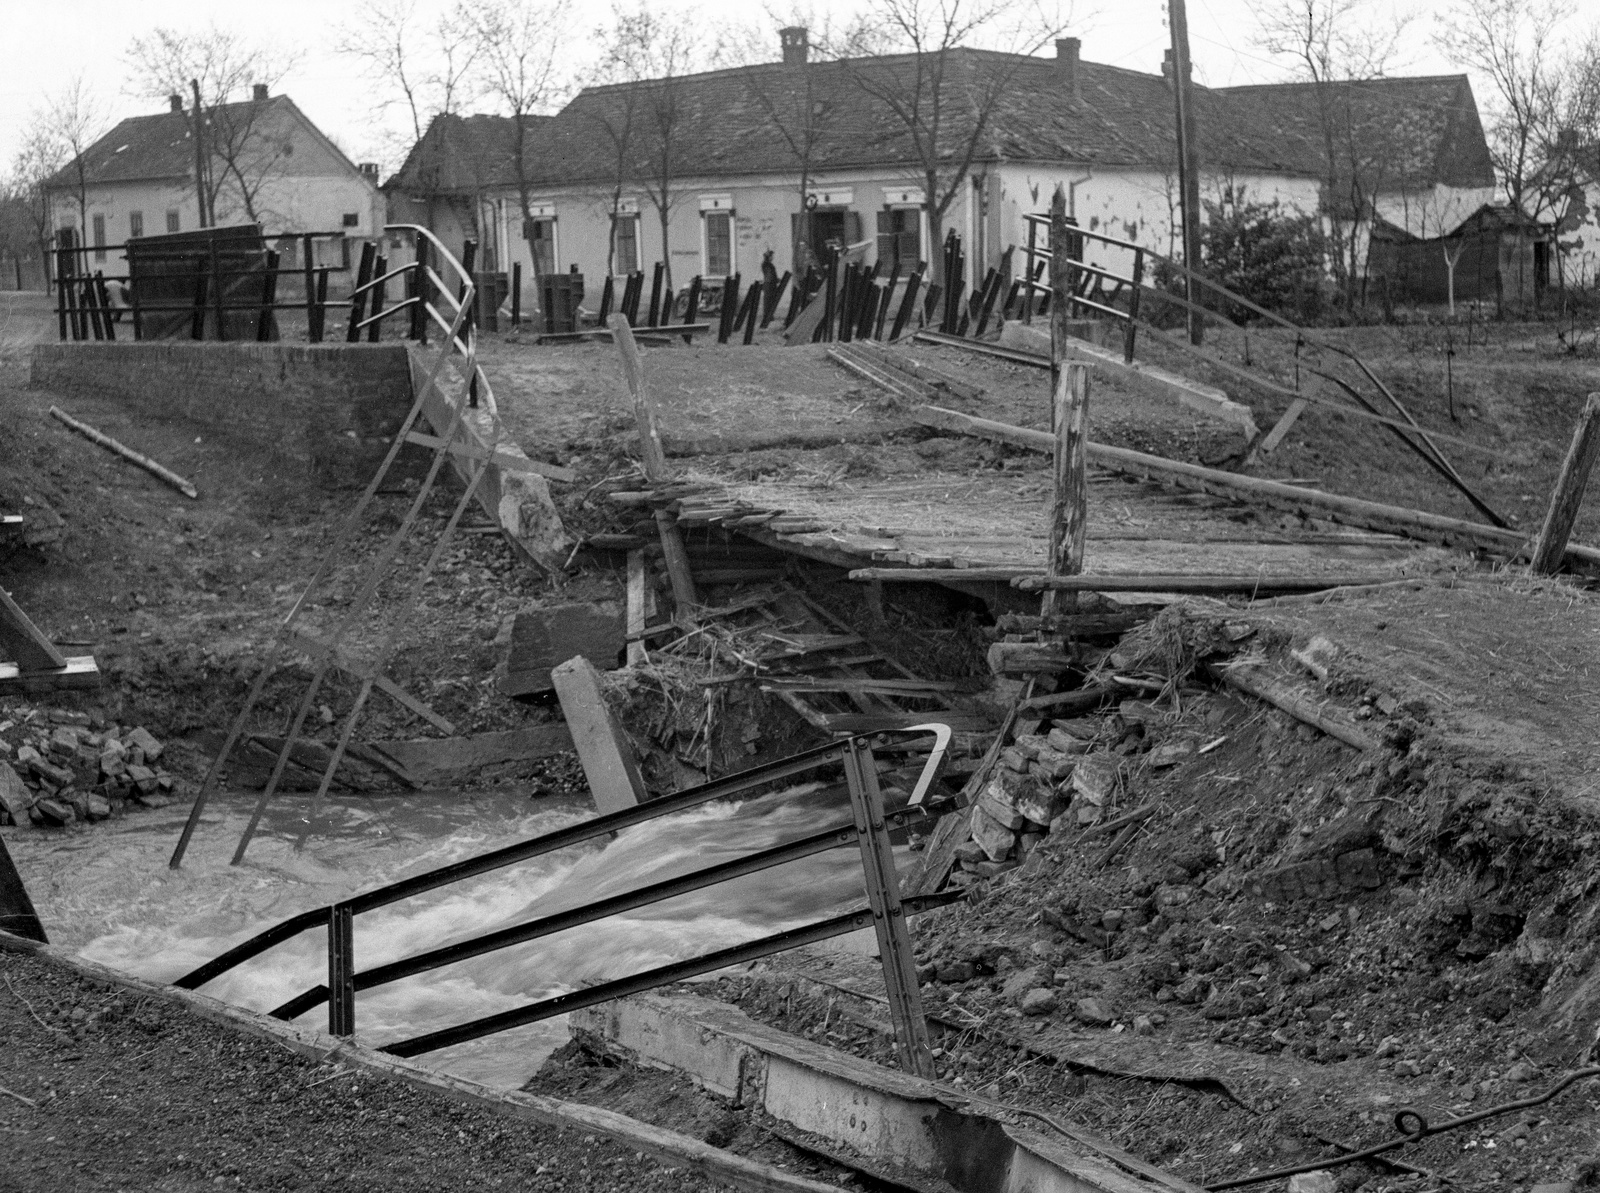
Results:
<point x="59" y="767"/>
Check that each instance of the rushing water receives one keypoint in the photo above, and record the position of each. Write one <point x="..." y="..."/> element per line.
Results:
<point x="108" y="894"/>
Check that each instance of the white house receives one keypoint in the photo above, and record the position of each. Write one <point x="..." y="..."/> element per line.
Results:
<point x="262" y="160"/>
<point x="781" y="157"/>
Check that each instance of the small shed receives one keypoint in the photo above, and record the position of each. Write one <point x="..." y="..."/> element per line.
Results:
<point x="1499" y="252"/>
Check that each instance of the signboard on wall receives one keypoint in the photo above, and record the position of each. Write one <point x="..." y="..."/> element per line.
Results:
<point x="903" y="196"/>
<point x="722" y="202"/>
<point x="831" y="198"/>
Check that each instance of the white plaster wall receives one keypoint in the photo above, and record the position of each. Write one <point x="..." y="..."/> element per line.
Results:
<point x="1432" y="211"/>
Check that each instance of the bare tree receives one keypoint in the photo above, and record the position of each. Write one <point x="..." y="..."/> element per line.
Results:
<point x="1513" y="42"/>
<point x="422" y="67"/>
<point x="243" y="148"/>
<point x="1336" y="45"/>
<point x="941" y="102"/>
<point x="652" y="53"/>
<point x="517" y="47"/>
<point x="60" y="135"/>
<point x="41" y="155"/>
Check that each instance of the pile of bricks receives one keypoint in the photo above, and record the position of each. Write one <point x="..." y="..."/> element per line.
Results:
<point x="1041" y="777"/>
<point x="59" y="768"/>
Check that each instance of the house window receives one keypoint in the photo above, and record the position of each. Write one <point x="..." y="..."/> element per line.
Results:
<point x="626" y="257"/>
<point x="719" y="244"/>
<point x="352" y="219"/>
<point x="899" y="238"/>
<point x="172" y="221"/>
<point x="135" y="224"/>
<point x="99" y="237"/>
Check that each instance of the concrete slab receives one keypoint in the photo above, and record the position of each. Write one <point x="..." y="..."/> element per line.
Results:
<point x="1204" y="399"/>
<point x="887" y="1115"/>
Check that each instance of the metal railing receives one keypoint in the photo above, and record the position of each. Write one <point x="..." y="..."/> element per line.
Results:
<point x="869" y="830"/>
<point x="330" y="650"/>
<point x="1402" y="424"/>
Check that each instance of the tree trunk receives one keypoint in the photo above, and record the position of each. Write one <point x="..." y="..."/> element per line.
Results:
<point x="665" y="212"/>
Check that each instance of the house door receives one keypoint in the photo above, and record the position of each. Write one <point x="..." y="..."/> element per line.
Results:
<point x="828" y="230"/>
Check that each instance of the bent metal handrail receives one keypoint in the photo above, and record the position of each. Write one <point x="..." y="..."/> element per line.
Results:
<point x="869" y="830"/>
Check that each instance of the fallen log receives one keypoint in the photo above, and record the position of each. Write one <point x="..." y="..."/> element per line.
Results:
<point x="1027" y="658"/>
<point x="127" y="453"/>
<point x="1351" y="511"/>
<point x="1294" y="701"/>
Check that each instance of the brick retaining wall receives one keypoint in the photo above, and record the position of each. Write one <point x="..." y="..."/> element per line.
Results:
<point x="331" y="408"/>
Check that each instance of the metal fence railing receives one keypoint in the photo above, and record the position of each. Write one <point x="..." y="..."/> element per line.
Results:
<point x="868" y="829"/>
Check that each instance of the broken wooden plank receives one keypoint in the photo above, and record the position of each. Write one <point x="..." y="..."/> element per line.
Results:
<point x="22" y="642"/>
<point x="1028" y="658"/>
<point x="888" y="687"/>
<point x="1068" y="704"/>
<point x="637" y="653"/>
<point x="507" y="461"/>
<point x="80" y="672"/>
<point x="1270" y="441"/>
<point x="1567" y="496"/>
<point x="881" y="722"/>
<point x="606" y="754"/>
<point x="127" y="453"/>
<point x="542" y="638"/>
<point x="428" y="759"/>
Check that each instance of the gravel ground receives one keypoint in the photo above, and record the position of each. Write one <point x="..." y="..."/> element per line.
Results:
<point x="103" y="1090"/>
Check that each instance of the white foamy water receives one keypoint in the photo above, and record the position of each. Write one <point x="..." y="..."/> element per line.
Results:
<point x="108" y="894"/>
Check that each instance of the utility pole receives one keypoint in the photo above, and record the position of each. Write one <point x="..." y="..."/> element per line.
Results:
<point x="1188" y="162"/>
<point x="199" y="154"/>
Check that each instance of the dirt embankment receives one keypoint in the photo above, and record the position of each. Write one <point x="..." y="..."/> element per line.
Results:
<point x="106" y="1091"/>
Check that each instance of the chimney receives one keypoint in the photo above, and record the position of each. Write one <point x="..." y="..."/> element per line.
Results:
<point x="176" y="101"/>
<point x="796" y="41"/>
<point x="370" y="169"/>
<point x="1067" y="63"/>
<point x="261" y="92"/>
<point x="1166" y="67"/>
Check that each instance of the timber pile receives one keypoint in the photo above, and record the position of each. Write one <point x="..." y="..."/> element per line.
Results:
<point x="903" y="377"/>
<point x="58" y="767"/>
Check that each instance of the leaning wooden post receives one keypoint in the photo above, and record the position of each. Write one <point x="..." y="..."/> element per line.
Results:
<point x="654" y="460"/>
<point x="1069" y="418"/>
<point x="1568" y="495"/>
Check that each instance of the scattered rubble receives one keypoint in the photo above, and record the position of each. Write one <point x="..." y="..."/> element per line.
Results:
<point x="60" y="767"/>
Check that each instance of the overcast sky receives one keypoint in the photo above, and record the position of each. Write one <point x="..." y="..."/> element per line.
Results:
<point x="48" y="41"/>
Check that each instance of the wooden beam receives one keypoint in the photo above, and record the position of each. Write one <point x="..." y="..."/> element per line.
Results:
<point x="16" y="908"/>
<point x="501" y="459"/>
<point x="80" y="672"/>
<point x="1181" y="582"/>
<point x="638" y="654"/>
<point x="1352" y="511"/>
<point x="1270" y="441"/>
<point x="604" y="750"/>
<point x="22" y="642"/>
<point x="1567" y="496"/>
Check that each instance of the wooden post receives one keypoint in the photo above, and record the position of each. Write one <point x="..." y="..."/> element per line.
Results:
<point x="197" y="328"/>
<point x="380" y="266"/>
<point x="604" y="751"/>
<point x="691" y="310"/>
<point x="309" y="270"/>
<point x="1069" y="418"/>
<point x="266" y="316"/>
<point x="103" y="301"/>
<point x="638" y="654"/>
<point x="322" y="304"/>
<point x="17" y="915"/>
<point x="1133" y="307"/>
<point x="1568" y="493"/>
<point x="608" y="294"/>
<point x="654" y="461"/>
<point x="1188" y="163"/>
<point x="752" y="305"/>
<point x="654" y="313"/>
<point x="516" y="293"/>
<point x="358" y="298"/>
<point x="1030" y="275"/>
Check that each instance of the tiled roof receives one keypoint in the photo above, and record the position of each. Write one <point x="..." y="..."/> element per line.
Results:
<point x="161" y="146"/>
<point x="1427" y="128"/>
